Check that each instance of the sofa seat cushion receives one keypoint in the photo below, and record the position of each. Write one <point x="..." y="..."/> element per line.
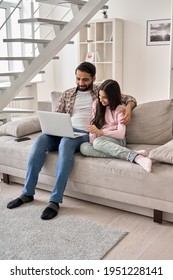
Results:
<point x="116" y="174"/>
<point x="123" y="176"/>
<point x="15" y="154"/>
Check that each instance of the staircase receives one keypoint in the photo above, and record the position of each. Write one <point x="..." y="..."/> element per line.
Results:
<point x="64" y="31"/>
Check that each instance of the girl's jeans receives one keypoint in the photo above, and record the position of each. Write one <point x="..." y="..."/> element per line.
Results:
<point x="66" y="148"/>
<point x="108" y="147"/>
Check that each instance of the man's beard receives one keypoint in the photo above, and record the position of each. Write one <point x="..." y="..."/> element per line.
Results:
<point x="88" y="87"/>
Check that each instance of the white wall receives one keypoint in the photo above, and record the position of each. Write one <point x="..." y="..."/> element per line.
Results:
<point x="60" y="74"/>
<point x="145" y="68"/>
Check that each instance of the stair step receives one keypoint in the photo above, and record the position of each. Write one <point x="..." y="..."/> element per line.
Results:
<point x="16" y="73"/>
<point x="16" y="58"/>
<point x="66" y="3"/>
<point x="4" y="86"/>
<point x="43" y="21"/>
<point x="28" y="40"/>
<point x="17" y="110"/>
<point x="56" y="44"/>
<point x="46" y="21"/>
<point x="63" y="2"/>
<point x="29" y="58"/>
<point x="18" y="98"/>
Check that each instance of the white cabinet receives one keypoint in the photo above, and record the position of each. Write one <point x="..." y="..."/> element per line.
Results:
<point x="102" y="45"/>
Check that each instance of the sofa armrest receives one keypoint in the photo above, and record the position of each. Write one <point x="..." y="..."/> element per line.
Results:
<point x="45" y="106"/>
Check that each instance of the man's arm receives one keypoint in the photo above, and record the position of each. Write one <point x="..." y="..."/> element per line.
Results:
<point x="60" y="107"/>
<point x="128" y="99"/>
<point x="130" y="103"/>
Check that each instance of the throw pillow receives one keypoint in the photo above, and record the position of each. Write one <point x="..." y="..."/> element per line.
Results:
<point x="55" y="95"/>
<point x="21" y="127"/>
<point x="151" y="123"/>
<point x="163" y="153"/>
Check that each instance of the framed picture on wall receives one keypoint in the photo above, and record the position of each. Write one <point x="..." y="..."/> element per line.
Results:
<point x="158" y="32"/>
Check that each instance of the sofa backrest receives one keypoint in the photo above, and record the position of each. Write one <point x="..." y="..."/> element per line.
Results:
<point x="55" y="95"/>
<point x="151" y="123"/>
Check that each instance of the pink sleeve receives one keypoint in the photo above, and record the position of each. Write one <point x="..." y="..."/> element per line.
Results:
<point x="120" y="132"/>
<point x="92" y="137"/>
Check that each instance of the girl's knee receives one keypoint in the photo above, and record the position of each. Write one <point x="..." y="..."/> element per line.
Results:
<point x="97" y="142"/>
<point x="84" y="148"/>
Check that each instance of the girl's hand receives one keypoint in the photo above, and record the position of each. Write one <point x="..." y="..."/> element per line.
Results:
<point x="94" y="130"/>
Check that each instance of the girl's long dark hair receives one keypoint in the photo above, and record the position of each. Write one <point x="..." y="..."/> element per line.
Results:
<point x="113" y="93"/>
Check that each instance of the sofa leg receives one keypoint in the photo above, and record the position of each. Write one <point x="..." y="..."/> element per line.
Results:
<point x="6" y="178"/>
<point x="157" y="216"/>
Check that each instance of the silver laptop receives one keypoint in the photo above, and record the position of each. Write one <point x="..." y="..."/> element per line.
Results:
<point x="57" y="124"/>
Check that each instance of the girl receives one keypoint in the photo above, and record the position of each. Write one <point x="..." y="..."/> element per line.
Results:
<point x="107" y="133"/>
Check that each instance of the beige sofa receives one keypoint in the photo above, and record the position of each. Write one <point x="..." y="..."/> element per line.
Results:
<point x="112" y="182"/>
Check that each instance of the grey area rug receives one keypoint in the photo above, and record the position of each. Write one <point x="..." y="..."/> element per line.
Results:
<point x="23" y="235"/>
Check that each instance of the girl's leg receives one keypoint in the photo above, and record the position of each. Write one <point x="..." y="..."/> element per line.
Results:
<point x="114" y="148"/>
<point x="144" y="162"/>
<point x="88" y="150"/>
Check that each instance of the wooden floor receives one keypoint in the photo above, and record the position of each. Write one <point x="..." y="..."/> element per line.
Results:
<point x="145" y="240"/>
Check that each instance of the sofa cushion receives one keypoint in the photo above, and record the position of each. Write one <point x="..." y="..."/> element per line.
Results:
<point x="21" y="127"/>
<point x="151" y="123"/>
<point x="55" y="95"/>
<point x="163" y="153"/>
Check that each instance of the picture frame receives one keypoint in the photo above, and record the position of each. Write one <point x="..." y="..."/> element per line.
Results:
<point x="158" y="32"/>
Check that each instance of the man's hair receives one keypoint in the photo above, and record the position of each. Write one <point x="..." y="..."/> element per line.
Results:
<point x="87" y="67"/>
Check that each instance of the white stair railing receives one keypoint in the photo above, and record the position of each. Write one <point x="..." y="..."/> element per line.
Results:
<point x="48" y="49"/>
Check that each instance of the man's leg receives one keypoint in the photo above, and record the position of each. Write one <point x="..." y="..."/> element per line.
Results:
<point x="41" y="146"/>
<point x="67" y="148"/>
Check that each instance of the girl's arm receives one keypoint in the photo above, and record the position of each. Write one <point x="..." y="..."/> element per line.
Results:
<point x="120" y="132"/>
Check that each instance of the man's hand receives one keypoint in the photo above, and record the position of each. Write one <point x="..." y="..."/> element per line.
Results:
<point x="127" y="111"/>
<point x="126" y="115"/>
<point x="93" y="129"/>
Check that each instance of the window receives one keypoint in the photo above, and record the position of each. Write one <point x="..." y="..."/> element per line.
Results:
<point x="12" y="29"/>
<point x="3" y="47"/>
<point x="9" y="30"/>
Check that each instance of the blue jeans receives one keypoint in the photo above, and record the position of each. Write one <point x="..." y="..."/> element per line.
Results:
<point x="66" y="148"/>
<point x="108" y="147"/>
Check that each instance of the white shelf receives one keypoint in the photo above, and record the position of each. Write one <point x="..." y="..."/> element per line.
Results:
<point x="104" y="40"/>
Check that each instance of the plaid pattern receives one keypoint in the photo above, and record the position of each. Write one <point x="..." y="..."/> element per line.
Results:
<point x="67" y="99"/>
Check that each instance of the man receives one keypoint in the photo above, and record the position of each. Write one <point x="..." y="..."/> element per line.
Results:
<point x="78" y="103"/>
